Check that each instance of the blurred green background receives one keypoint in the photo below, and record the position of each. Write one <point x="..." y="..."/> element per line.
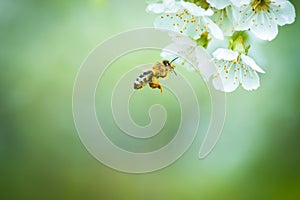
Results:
<point x="43" y="44"/>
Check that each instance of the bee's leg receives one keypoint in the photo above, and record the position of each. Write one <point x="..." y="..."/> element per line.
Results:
<point x="155" y="84"/>
<point x="160" y="88"/>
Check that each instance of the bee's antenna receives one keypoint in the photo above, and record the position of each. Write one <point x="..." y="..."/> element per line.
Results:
<point x="174" y="59"/>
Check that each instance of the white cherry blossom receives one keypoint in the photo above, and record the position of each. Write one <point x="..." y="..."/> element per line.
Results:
<point x="191" y="20"/>
<point x="191" y="56"/>
<point x="262" y="17"/>
<point x="235" y="69"/>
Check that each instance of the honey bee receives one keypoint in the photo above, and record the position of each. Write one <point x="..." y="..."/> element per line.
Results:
<point x="158" y="70"/>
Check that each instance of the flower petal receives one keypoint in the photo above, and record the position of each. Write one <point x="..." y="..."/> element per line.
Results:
<point x="168" y="6"/>
<point x="223" y="19"/>
<point x="226" y="79"/>
<point x="194" y="9"/>
<point x="155" y="8"/>
<point x="225" y="54"/>
<point x="250" y="62"/>
<point x="168" y="3"/>
<point x="181" y="39"/>
<point x="239" y="3"/>
<point x="249" y="80"/>
<point x="219" y="4"/>
<point x="183" y="47"/>
<point x="213" y="28"/>
<point x="205" y="65"/>
<point x="243" y="17"/>
<point x="285" y="12"/>
<point x="264" y="28"/>
<point x="164" y="22"/>
<point x="172" y="48"/>
<point x="209" y="12"/>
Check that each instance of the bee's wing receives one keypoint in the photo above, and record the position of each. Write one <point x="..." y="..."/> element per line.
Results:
<point x="158" y="68"/>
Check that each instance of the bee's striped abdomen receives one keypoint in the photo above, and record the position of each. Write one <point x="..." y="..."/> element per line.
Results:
<point x="143" y="80"/>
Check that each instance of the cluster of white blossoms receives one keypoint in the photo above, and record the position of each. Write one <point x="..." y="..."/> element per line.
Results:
<point x="197" y="22"/>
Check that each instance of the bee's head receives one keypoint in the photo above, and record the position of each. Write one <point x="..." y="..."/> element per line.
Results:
<point x="166" y="63"/>
<point x="169" y="64"/>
